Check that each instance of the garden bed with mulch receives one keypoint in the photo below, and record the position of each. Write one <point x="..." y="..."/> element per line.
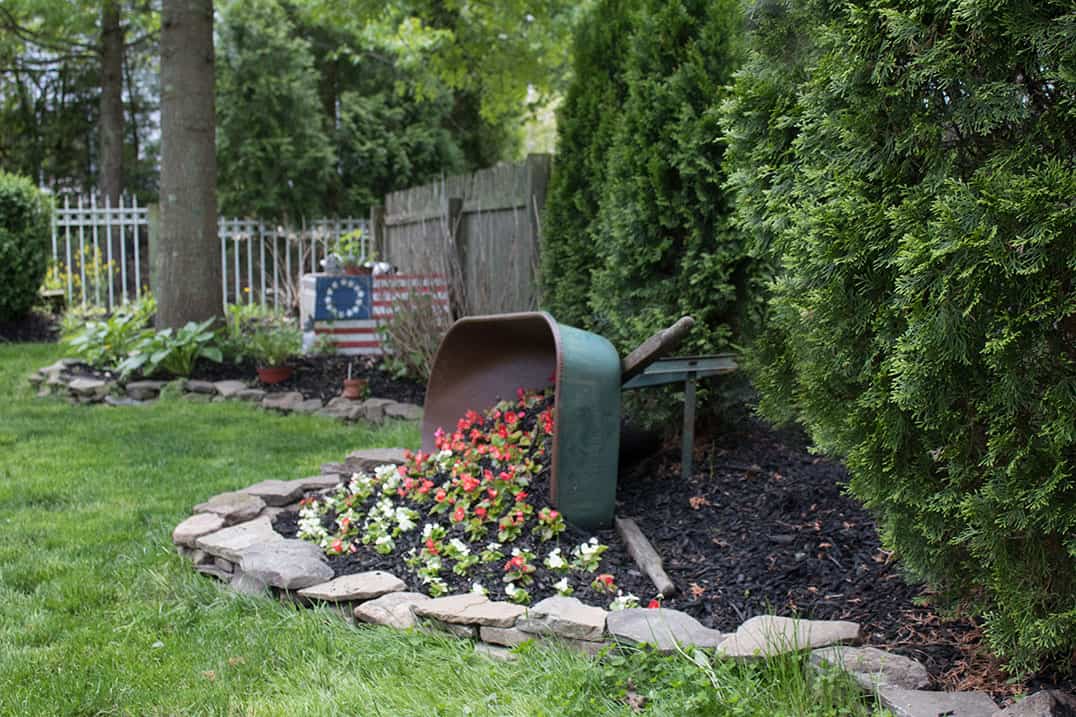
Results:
<point x="320" y="376"/>
<point x="761" y="527"/>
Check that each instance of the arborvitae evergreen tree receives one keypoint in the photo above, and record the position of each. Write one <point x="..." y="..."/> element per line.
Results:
<point x="667" y="247"/>
<point x="585" y="125"/>
<point x="915" y="177"/>
<point x="275" y="158"/>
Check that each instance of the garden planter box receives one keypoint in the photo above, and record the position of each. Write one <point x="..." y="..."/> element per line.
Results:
<point x="484" y="359"/>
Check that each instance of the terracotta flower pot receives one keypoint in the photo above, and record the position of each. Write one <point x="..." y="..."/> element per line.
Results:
<point x="354" y="388"/>
<point x="275" y="374"/>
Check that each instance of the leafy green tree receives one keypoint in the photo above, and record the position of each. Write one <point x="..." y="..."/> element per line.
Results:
<point x="275" y="158"/>
<point x="910" y="164"/>
<point x="387" y="142"/>
<point x="24" y="244"/>
<point x="586" y="122"/>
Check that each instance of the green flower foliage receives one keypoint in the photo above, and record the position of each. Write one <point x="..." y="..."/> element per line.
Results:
<point x="911" y="166"/>
<point x="24" y="244"/>
<point x="586" y="123"/>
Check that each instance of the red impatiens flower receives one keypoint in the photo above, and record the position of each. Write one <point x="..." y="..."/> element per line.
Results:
<point x="607" y="580"/>
<point x="491" y="493"/>
<point x="426" y="486"/>
<point x="516" y="562"/>
<point x="510" y="418"/>
<point x="521" y="496"/>
<point x="338" y="546"/>
<point x="458" y="514"/>
<point x="440" y="496"/>
<point x="480" y="512"/>
<point x="469" y="483"/>
<point x="431" y="547"/>
<point x="653" y="604"/>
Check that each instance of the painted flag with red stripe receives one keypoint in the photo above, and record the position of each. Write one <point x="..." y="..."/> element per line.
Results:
<point x="360" y="336"/>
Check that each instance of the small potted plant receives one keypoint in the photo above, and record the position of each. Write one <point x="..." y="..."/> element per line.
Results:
<point x="354" y="388"/>
<point x="272" y="346"/>
<point x="351" y="255"/>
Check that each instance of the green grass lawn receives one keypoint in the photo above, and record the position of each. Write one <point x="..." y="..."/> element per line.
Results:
<point x="99" y="616"/>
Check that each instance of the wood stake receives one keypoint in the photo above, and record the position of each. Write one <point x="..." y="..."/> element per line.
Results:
<point x="644" y="555"/>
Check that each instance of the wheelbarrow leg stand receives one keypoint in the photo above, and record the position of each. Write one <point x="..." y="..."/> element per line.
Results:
<point x="687" y="449"/>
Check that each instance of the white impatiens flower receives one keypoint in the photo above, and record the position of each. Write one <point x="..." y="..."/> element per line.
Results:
<point x="493" y="547"/>
<point x="459" y="546"/>
<point x="510" y="590"/>
<point x="562" y="587"/>
<point x="478" y="589"/>
<point x="623" y="602"/>
<point x="554" y="561"/>
<point x="405" y="519"/>
<point x="427" y="531"/>
<point x="389" y="477"/>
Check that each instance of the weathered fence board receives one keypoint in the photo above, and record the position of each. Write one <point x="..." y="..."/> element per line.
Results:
<point x="480" y="230"/>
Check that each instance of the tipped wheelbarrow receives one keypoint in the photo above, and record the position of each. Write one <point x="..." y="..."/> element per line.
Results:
<point x="483" y="359"/>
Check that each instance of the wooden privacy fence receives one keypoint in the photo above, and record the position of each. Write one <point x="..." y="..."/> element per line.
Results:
<point x="103" y="255"/>
<point x="481" y="231"/>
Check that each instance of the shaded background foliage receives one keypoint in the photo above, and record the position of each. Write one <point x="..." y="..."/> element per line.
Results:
<point x="637" y="226"/>
<point x="910" y="166"/>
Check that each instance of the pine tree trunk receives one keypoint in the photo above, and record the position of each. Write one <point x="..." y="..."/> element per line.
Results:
<point x="189" y="255"/>
<point x="110" y="158"/>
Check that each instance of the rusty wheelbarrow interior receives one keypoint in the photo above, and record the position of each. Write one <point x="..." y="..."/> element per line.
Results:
<point x="484" y="359"/>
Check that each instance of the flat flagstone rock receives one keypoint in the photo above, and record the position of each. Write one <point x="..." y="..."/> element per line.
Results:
<point x="359" y="586"/>
<point x="464" y="632"/>
<point x="89" y="387"/>
<point x="275" y="492"/>
<point x="309" y="405"/>
<point x="228" y="389"/>
<point x="321" y="482"/>
<point x="1048" y="703"/>
<point x="767" y="635"/>
<point x="566" y="617"/>
<point x="285" y="564"/>
<point x="394" y="610"/>
<point x="230" y="543"/>
<point x="404" y="411"/>
<point x="494" y="614"/>
<point x="214" y="572"/>
<point x="370" y="458"/>
<point x="194" y="527"/>
<point x="873" y="668"/>
<point x="144" y="390"/>
<point x="195" y="397"/>
<point x="507" y="636"/>
<point x="284" y="402"/>
<point x="920" y="703"/>
<point x="451" y="607"/>
<point x="493" y="652"/>
<point x="205" y="387"/>
<point x="126" y="401"/>
<point x="342" y="409"/>
<point x="664" y="628"/>
<point x="234" y="507"/>
<point x="250" y="394"/>
<point x="61" y="365"/>
<point x="374" y="409"/>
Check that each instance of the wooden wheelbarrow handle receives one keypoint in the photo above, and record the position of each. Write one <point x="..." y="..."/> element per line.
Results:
<point x="654" y="348"/>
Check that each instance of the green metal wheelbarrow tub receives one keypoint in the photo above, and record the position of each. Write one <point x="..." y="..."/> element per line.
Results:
<point x="483" y="359"/>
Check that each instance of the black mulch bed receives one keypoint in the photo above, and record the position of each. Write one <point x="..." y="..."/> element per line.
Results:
<point x="315" y="377"/>
<point x="37" y="327"/>
<point x="321" y="377"/>
<point x="763" y="526"/>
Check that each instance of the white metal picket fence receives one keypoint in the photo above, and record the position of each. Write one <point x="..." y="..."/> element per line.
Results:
<point x="101" y="254"/>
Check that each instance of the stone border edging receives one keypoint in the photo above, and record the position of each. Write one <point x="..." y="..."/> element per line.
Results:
<point x="55" y="380"/>
<point x="230" y="537"/>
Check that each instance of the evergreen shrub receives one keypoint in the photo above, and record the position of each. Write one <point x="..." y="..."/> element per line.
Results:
<point x="586" y="121"/>
<point x="25" y="215"/>
<point x="912" y="166"/>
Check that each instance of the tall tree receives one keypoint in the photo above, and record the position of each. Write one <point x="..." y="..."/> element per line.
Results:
<point x="188" y="264"/>
<point x="110" y="116"/>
